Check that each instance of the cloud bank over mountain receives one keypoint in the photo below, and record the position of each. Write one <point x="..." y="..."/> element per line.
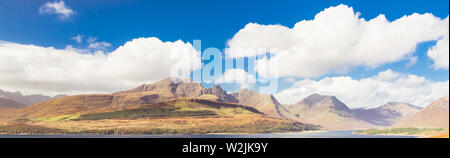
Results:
<point x="386" y="86"/>
<point x="46" y="70"/>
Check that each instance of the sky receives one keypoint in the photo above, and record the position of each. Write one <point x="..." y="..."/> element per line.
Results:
<point x="364" y="52"/>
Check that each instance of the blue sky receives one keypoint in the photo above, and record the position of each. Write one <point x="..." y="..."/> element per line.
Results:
<point x="213" y="22"/>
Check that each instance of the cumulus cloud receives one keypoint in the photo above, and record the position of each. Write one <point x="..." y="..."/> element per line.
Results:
<point x="386" y="86"/>
<point x="91" y="39"/>
<point x="46" y="70"/>
<point x="99" y="45"/>
<point x="58" y="8"/>
<point x="78" y="38"/>
<point x="440" y="52"/>
<point x="245" y="80"/>
<point x="95" y="45"/>
<point x="336" y="40"/>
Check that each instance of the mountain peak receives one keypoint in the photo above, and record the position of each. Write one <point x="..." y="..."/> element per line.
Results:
<point x="177" y="80"/>
<point x="315" y="98"/>
<point x="24" y="99"/>
<point x="325" y="110"/>
<point x="265" y="103"/>
<point x="398" y="106"/>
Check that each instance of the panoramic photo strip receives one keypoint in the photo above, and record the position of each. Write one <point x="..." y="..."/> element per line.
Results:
<point x="250" y="71"/>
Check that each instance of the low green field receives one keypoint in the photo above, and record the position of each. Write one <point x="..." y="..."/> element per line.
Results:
<point x="405" y="131"/>
<point x="208" y="125"/>
<point x="141" y="113"/>
<point x="20" y="128"/>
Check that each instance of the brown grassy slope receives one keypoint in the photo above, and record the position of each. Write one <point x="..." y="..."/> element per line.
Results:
<point x="241" y="123"/>
<point x="228" y="117"/>
<point x="91" y="103"/>
<point x="434" y="115"/>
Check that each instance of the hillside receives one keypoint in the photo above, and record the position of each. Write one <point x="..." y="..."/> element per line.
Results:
<point x="326" y="111"/>
<point x="147" y="94"/>
<point x="434" y="115"/>
<point x="387" y="114"/>
<point x="265" y="103"/>
<point x="180" y="115"/>
<point x="170" y="88"/>
<point x="161" y="108"/>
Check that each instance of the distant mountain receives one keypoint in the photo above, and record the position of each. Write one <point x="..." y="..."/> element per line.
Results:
<point x="434" y="115"/>
<point x="146" y="94"/>
<point x="327" y="111"/>
<point x="387" y="114"/>
<point x="168" y="89"/>
<point x="7" y="103"/>
<point x="265" y="103"/>
<point x="25" y="99"/>
<point x="160" y="91"/>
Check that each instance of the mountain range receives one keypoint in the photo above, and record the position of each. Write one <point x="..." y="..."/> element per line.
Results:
<point x="175" y="99"/>
<point x="387" y="114"/>
<point x="327" y="111"/>
<point x="7" y="103"/>
<point x="24" y="100"/>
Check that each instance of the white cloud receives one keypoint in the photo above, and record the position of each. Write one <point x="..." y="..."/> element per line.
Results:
<point x="95" y="45"/>
<point x="58" y="8"/>
<point x="99" y="45"/>
<point x="440" y="52"/>
<point x="411" y="61"/>
<point x="245" y="80"/>
<point x="289" y="79"/>
<point x="78" y="38"/>
<point x="336" y="40"/>
<point x="387" y="75"/>
<point x="91" y="39"/>
<point x="46" y="70"/>
<point x="387" y="86"/>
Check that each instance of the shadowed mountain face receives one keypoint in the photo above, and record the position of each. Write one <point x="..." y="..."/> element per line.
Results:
<point x="387" y="114"/>
<point x="265" y="103"/>
<point x="327" y="111"/>
<point x="25" y="99"/>
<point x="169" y="88"/>
<point x="7" y="103"/>
<point x="434" y="115"/>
